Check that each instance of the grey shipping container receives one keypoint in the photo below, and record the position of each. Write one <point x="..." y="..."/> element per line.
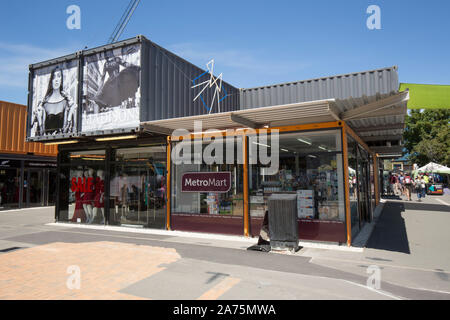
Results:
<point x="170" y="93"/>
<point x="166" y="88"/>
<point x="364" y="84"/>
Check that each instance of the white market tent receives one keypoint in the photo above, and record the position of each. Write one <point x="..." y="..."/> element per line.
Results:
<point x="433" y="168"/>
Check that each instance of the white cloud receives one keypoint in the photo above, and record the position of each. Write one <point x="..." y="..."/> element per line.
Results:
<point x="15" y="59"/>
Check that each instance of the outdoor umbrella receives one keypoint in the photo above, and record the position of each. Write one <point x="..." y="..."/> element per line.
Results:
<point x="433" y="168"/>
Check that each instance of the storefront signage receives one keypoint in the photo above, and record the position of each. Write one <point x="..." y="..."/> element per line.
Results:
<point x="42" y="164"/>
<point x="206" y="182"/>
<point x="4" y="163"/>
<point x="82" y="185"/>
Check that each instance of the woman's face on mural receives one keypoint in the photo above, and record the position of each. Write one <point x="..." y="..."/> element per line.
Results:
<point x="57" y="80"/>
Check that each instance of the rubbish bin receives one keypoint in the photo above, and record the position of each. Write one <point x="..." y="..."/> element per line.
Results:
<point x="283" y="226"/>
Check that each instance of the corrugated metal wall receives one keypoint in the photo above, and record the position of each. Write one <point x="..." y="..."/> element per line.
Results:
<point x="13" y="119"/>
<point x="170" y="92"/>
<point x="367" y="83"/>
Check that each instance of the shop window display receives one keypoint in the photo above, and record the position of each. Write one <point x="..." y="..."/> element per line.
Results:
<point x="372" y="188"/>
<point x="310" y="166"/>
<point x="82" y="187"/>
<point x="138" y="187"/>
<point x="352" y="146"/>
<point x="213" y="202"/>
<point x="363" y="184"/>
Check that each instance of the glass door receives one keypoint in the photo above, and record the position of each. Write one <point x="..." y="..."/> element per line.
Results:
<point x="362" y="189"/>
<point x="52" y="175"/>
<point x="138" y="187"/>
<point x="35" y="187"/>
<point x="364" y="185"/>
<point x="9" y="188"/>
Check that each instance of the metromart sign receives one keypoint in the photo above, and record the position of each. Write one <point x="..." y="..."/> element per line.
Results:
<point x="219" y="182"/>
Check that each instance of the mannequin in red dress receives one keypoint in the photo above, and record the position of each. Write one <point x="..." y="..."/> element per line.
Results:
<point x="79" y="211"/>
<point x="99" y="203"/>
<point x="88" y="199"/>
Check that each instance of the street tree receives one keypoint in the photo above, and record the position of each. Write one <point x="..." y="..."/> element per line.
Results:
<point x="427" y="136"/>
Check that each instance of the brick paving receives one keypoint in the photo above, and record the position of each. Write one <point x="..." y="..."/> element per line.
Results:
<point x="105" y="268"/>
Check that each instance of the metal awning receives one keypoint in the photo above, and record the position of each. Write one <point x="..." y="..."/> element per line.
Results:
<point x="379" y="118"/>
<point x="274" y="116"/>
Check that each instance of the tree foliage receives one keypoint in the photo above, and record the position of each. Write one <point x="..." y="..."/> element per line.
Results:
<point x="427" y="136"/>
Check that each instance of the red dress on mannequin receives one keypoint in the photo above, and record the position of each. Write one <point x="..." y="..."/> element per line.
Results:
<point x="99" y="192"/>
<point x="79" y="211"/>
<point x="89" y="193"/>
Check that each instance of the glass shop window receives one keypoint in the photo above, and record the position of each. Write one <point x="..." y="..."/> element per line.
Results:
<point x="352" y="146"/>
<point x="138" y="187"/>
<point x="310" y="166"/>
<point x="82" y="187"/>
<point x="217" y="175"/>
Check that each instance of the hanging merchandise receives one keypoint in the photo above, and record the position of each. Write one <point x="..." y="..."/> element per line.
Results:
<point x="305" y="204"/>
<point x="213" y="203"/>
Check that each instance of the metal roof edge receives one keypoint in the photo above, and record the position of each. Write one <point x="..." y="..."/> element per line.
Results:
<point x="114" y="45"/>
<point x="321" y="78"/>
<point x="245" y="111"/>
<point x="88" y="51"/>
<point x="13" y="103"/>
<point x="296" y="104"/>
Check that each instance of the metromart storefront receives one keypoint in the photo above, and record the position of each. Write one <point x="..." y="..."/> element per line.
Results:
<point x="178" y="163"/>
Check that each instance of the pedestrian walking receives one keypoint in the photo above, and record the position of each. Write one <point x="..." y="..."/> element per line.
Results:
<point x="408" y="186"/>
<point x="394" y="184"/>
<point x="426" y="180"/>
<point x="398" y="186"/>
<point x="419" y="186"/>
<point x="401" y="183"/>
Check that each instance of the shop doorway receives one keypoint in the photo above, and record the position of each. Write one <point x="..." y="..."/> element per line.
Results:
<point x="138" y="187"/>
<point x="34" y="186"/>
<point x="51" y="193"/>
<point x="9" y="188"/>
<point x="39" y="187"/>
<point x="364" y="188"/>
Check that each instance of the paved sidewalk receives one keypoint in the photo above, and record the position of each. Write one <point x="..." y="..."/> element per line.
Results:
<point x="128" y="265"/>
<point x="49" y="271"/>
<point x="410" y="244"/>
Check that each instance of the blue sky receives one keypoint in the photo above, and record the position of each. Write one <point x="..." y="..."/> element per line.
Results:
<point x="253" y="42"/>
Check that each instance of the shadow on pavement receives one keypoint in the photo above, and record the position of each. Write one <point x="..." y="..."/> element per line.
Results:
<point x="390" y="231"/>
<point x="391" y="197"/>
<point x="419" y="206"/>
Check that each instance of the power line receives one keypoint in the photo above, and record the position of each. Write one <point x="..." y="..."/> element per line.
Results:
<point x="118" y="30"/>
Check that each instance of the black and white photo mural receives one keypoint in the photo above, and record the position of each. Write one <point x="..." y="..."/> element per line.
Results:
<point x="54" y="100"/>
<point x="111" y="89"/>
